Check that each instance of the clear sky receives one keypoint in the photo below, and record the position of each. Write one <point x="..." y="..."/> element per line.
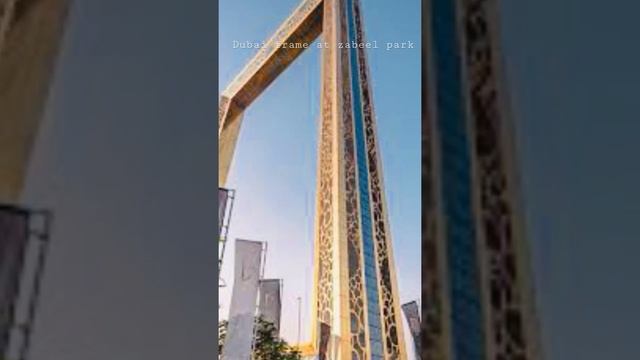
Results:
<point x="126" y="152"/>
<point x="275" y="164"/>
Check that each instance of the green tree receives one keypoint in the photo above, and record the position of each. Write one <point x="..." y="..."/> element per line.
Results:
<point x="267" y="344"/>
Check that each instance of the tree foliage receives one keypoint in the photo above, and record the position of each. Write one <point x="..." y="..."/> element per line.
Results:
<point x="268" y="346"/>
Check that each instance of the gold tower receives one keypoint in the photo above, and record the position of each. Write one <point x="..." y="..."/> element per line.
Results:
<point x="30" y="35"/>
<point x="356" y="307"/>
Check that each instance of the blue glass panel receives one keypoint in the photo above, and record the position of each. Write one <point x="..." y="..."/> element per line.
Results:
<point x="371" y="281"/>
<point x="466" y="318"/>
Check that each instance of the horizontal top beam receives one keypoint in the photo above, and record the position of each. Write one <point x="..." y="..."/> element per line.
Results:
<point x="303" y="26"/>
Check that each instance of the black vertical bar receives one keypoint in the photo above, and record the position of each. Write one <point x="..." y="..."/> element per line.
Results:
<point x="15" y="279"/>
<point x="43" y="239"/>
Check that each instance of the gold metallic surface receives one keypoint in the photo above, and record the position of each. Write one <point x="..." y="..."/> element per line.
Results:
<point x="30" y="36"/>
<point x="303" y="26"/>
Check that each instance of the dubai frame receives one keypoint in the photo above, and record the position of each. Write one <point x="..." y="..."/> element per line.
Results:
<point x="356" y="311"/>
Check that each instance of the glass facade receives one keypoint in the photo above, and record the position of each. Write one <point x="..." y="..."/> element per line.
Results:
<point x="466" y="309"/>
<point x="371" y="279"/>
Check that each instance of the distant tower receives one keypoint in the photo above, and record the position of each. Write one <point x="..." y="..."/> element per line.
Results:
<point x="30" y="34"/>
<point x="477" y="296"/>
<point x="356" y="308"/>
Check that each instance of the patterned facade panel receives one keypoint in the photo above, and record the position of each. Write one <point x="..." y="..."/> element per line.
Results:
<point x="507" y="315"/>
<point x="355" y="252"/>
<point x="325" y="216"/>
<point x="375" y="320"/>
<point x="390" y="318"/>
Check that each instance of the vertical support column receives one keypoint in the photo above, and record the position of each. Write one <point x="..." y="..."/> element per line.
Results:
<point x="509" y="301"/>
<point x="435" y="330"/>
<point x="342" y="322"/>
<point x="389" y="340"/>
<point x="30" y="36"/>
<point x="228" y="131"/>
<point x="357" y="301"/>
<point x="361" y="278"/>
<point x="325" y="228"/>
<point x="342" y="277"/>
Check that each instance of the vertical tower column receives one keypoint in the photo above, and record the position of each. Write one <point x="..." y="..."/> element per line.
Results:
<point x="478" y="282"/>
<point x="326" y="312"/>
<point x="509" y="306"/>
<point x="229" y="123"/>
<point x="30" y="36"/>
<point x="357" y="309"/>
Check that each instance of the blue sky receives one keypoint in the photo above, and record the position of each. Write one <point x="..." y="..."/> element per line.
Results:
<point x="275" y="161"/>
